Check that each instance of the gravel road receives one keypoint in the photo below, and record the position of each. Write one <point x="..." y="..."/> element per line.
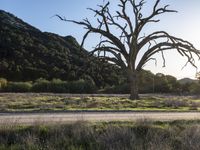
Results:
<point x="54" y="118"/>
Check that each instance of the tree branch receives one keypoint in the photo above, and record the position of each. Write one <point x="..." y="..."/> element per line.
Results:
<point x="128" y="44"/>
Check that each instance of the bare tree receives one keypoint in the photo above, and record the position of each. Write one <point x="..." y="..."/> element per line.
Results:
<point x="123" y="49"/>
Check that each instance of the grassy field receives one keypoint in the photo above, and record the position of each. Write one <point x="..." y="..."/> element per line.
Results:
<point x="140" y="135"/>
<point x="13" y="102"/>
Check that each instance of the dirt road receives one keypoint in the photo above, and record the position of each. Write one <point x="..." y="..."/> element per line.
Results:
<point x="45" y="118"/>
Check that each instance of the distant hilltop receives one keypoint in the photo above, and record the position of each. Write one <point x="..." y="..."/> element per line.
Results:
<point x="187" y="80"/>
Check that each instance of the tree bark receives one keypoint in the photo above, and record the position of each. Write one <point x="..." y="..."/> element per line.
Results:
<point x="133" y="79"/>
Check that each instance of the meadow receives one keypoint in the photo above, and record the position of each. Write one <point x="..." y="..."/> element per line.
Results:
<point x="41" y="102"/>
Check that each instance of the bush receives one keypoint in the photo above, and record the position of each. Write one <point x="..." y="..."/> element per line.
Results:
<point x="3" y="83"/>
<point x="58" y="86"/>
<point x="54" y="86"/>
<point x="18" y="87"/>
<point x="89" y="87"/>
<point x="195" y="88"/>
<point x="81" y="86"/>
<point x="41" y="85"/>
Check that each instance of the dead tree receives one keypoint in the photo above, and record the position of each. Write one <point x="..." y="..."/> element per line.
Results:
<point x="123" y="49"/>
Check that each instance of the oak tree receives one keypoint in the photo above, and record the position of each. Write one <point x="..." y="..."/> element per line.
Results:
<point x="123" y="49"/>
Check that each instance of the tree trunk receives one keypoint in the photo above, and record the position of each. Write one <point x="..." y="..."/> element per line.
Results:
<point x="133" y="79"/>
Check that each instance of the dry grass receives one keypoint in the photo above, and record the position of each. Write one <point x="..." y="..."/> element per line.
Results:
<point x="62" y="102"/>
<point x="142" y="135"/>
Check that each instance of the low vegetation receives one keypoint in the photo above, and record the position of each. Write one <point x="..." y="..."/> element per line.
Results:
<point x="43" y="85"/>
<point x="149" y="83"/>
<point x="100" y="136"/>
<point x="14" y="102"/>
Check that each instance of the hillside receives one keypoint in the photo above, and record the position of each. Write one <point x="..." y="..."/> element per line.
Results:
<point x="187" y="80"/>
<point x="26" y="53"/>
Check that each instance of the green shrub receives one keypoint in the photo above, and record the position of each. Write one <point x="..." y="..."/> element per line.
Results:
<point x="55" y="86"/>
<point x="76" y="86"/>
<point x="41" y="85"/>
<point x="18" y="87"/>
<point x="81" y="86"/>
<point x="195" y="88"/>
<point x="89" y="87"/>
<point x="58" y="86"/>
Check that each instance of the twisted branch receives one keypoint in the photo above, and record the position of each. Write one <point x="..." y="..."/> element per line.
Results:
<point x="123" y="49"/>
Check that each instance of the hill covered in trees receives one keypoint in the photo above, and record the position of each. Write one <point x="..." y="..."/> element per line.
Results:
<point x="26" y="54"/>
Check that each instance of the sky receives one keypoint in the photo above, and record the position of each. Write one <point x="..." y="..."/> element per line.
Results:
<point x="184" y="24"/>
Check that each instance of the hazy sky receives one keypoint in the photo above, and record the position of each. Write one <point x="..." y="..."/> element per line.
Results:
<point x="184" y="24"/>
